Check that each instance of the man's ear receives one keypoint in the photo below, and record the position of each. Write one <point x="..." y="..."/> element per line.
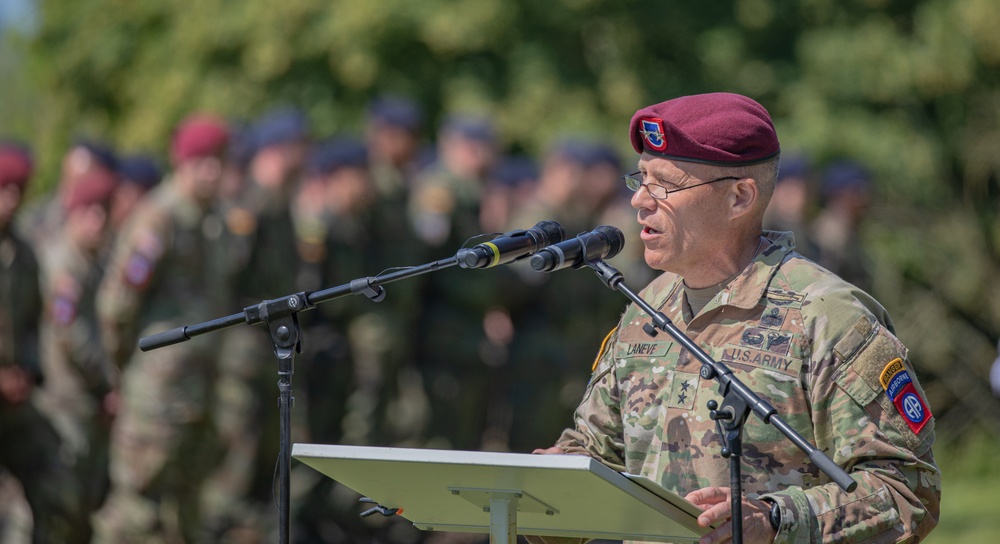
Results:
<point x="743" y="197"/>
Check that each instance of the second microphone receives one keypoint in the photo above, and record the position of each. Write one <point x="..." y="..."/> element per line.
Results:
<point x="603" y="242"/>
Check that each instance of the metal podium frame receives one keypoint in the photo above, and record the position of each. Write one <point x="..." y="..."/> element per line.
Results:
<point x="506" y="494"/>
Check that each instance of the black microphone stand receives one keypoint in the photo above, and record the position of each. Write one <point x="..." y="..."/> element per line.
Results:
<point x="738" y="401"/>
<point x="281" y="317"/>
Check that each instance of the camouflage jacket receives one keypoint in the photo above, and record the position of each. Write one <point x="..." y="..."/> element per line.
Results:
<point x="20" y="304"/>
<point x="822" y="352"/>
<point x="163" y="272"/>
<point x="79" y="371"/>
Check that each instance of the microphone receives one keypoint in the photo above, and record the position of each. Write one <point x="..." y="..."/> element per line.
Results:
<point x="511" y="246"/>
<point x="603" y="242"/>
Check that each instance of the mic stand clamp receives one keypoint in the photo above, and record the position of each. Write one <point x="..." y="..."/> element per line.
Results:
<point x="738" y="401"/>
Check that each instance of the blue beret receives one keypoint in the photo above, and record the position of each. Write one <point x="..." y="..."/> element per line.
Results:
<point x="397" y="111"/>
<point x="512" y="171"/>
<point x="572" y="150"/>
<point x="241" y="143"/>
<point x="280" y="126"/>
<point x="329" y="156"/>
<point x="471" y="127"/>
<point x="100" y="151"/>
<point x="141" y="170"/>
<point x="845" y="175"/>
<point x="794" y="166"/>
<point x="603" y="154"/>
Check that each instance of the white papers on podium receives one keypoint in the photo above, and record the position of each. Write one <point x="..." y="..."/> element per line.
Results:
<point x="556" y="495"/>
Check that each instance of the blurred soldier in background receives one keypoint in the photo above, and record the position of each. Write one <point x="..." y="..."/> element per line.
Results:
<point x="392" y="133"/>
<point x="160" y="277"/>
<point x="30" y="443"/>
<point x="45" y="215"/>
<point x="558" y="196"/>
<point x="79" y="395"/>
<point x="263" y="263"/>
<point x="561" y="321"/>
<point x="453" y="349"/>
<point x="446" y="195"/>
<point x="510" y="186"/>
<point x="138" y="174"/>
<point x="835" y="230"/>
<point x="789" y="206"/>
<point x="352" y="347"/>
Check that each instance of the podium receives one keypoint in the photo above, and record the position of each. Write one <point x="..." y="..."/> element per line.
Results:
<point x="506" y="494"/>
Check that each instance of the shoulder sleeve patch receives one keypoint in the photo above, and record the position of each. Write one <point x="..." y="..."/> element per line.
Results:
<point x="63" y="310"/>
<point x="138" y="270"/>
<point x="240" y="221"/>
<point x="877" y="377"/>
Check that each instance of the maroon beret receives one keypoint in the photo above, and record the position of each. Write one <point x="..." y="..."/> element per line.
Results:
<point x="16" y="165"/>
<point x="199" y="136"/>
<point x="718" y="128"/>
<point x="93" y="187"/>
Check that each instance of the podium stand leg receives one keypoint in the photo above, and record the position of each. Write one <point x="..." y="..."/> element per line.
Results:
<point x="503" y="518"/>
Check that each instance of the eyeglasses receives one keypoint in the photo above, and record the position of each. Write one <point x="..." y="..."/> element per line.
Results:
<point x="634" y="182"/>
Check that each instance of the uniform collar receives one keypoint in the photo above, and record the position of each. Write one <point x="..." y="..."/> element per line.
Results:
<point x="746" y="290"/>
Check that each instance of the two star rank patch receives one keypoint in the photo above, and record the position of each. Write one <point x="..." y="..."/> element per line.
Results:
<point x="899" y="387"/>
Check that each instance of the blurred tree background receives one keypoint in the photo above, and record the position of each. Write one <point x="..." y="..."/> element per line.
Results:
<point x="911" y="88"/>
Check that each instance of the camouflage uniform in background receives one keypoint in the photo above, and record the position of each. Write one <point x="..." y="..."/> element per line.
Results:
<point x="354" y="348"/>
<point x="78" y="371"/>
<point x="566" y="316"/>
<point x="262" y="263"/>
<point x="30" y="443"/>
<point x="456" y="358"/>
<point x="160" y="277"/>
<point x="822" y="352"/>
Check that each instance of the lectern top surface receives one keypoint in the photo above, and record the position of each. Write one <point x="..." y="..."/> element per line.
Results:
<point x="559" y="495"/>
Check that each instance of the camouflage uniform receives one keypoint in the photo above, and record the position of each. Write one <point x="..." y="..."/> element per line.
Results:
<point x="160" y="277"/>
<point x="79" y="372"/>
<point x="815" y="347"/>
<point x="30" y="443"/>
<point x="460" y="365"/>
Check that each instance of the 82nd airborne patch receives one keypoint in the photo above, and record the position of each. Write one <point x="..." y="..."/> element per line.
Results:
<point x="898" y="385"/>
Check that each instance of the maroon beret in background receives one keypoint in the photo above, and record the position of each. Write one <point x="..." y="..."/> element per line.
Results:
<point x="199" y="136"/>
<point x="94" y="187"/>
<point x="717" y="128"/>
<point x="16" y="165"/>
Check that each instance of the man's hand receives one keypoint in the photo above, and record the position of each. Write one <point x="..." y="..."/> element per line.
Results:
<point x="715" y="503"/>
<point x="554" y="450"/>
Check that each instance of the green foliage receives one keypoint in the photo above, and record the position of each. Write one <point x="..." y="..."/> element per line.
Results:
<point x="970" y="492"/>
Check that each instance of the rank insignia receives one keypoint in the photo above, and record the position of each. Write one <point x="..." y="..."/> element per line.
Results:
<point x="683" y="390"/>
<point x="653" y="133"/>
<point x="898" y="385"/>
